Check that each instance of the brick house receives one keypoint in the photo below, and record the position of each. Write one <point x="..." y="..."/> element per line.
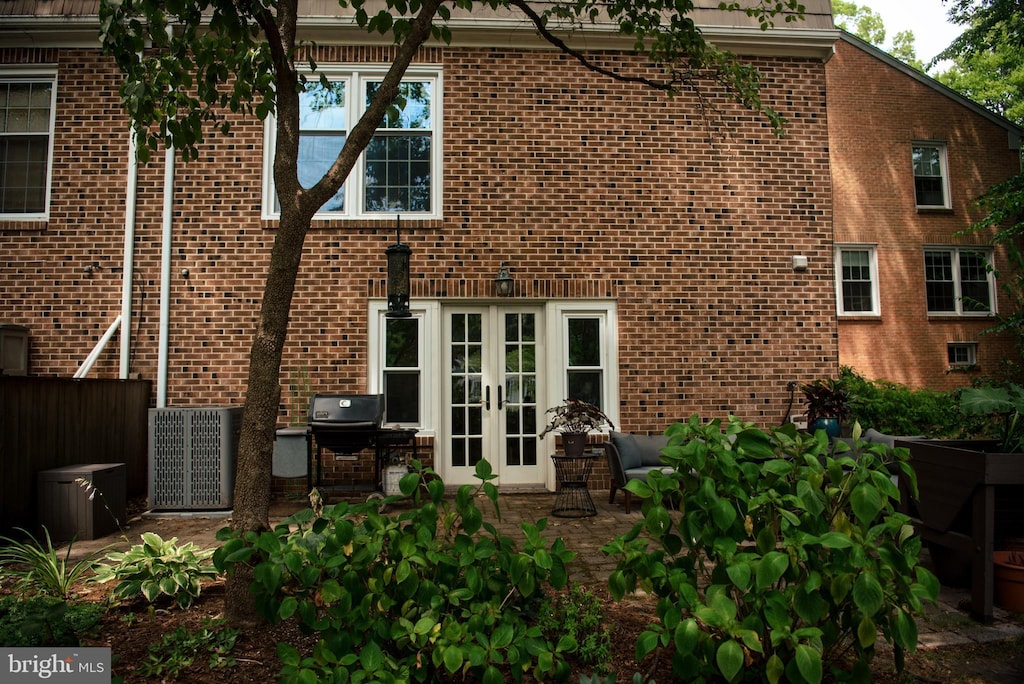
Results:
<point x="909" y="158"/>
<point x="655" y="271"/>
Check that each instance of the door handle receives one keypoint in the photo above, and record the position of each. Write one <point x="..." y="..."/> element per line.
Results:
<point x="499" y="397"/>
<point x="487" y="398"/>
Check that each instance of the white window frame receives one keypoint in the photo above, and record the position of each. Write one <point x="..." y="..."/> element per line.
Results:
<point x="972" y="353"/>
<point x="943" y="170"/>
<point x="958" y="286"/>
<point x="428" y="313"/>
<point x="872" y="251"/>
<point x="559" y="314"/>
<point x="356" y="78"/>
<point x="36" y="75"/>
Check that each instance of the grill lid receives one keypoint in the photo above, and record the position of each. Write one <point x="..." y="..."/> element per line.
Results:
<point x="346" y="411"/>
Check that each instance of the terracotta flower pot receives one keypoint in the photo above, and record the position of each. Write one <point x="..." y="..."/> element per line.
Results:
<point x="1009" y="581"/>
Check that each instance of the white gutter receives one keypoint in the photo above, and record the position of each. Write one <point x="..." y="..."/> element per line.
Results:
<point x="86" y="366"/>
<point x="165" y="278"/>
<point x="128" y="262"/>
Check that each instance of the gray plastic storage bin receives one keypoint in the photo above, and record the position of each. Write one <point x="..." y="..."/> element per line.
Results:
<point x="64" y="506"/>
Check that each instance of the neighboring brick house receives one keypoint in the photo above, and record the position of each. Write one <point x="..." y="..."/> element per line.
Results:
<point x="909" y="158"/>
<point x="655" y="272"/>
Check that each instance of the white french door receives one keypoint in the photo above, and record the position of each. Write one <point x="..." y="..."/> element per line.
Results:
<point x="493" y="363"/>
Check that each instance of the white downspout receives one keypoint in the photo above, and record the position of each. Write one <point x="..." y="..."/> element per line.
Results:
<point x="165" y="278"/>
<point x="128" y="270"/>
<point x="165" y="270"/>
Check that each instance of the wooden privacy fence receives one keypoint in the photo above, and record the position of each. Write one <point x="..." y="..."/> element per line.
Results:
<point x="49" y="423"/>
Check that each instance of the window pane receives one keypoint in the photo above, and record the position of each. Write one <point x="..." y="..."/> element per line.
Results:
<point x="974" y="282"/>
<point x="856" y="281"/>
<point x="928" y="182"/>
<point x="316" y="155"/>
<point x="402" y="397"/>
<point x="323" y="109"/>
<point x="396" y="179"/>
<point x="584" y="342"/>
<point x="402" y="348"/>
<point x="415" y="113"/>
<point x="586" y="386"/>
<point x="23" y="174"/>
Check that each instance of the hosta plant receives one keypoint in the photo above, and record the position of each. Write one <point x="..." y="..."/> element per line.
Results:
<point x="775" y="555"/>
<point x="427" y="594"/>
<point x="158" y="569"/>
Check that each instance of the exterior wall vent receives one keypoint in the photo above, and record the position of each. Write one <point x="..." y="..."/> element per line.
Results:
<point x="192" y="454"/>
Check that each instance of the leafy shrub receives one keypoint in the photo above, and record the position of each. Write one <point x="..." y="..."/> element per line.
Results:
<point x="177" y="650"/>
<point x="431" y="592"/>
<point x="578" y="613"/>
<point x="771" y="554"/>
<point x="37" y="566"/>
<point x="45" y="621"/>
<point x="157" y="568"/>
<point x="894" y="409"/>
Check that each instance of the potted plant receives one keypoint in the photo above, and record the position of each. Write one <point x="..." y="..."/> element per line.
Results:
<point x="290" y="442"/>
<point x="574" y="419"/>
<point x="829" y="403"/>
<point x="1009" y="579"/>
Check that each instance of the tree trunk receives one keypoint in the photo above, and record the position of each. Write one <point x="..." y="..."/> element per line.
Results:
<point x="298" y="205"/>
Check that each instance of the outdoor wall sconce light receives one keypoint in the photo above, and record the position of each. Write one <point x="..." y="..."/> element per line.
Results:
<point x="799" y="262"/>
<point x="398" y="275"/>
<point x="503" y="283"/>
<point x="91" y="268"/>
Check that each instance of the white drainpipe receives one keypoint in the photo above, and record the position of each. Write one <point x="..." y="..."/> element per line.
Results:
<point x="165" y="278"/>
<point x="165" y="271"/>
<point x="128" y="271"/>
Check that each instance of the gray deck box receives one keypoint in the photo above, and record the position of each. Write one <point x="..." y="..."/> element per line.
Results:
<point x="65" y="507"/>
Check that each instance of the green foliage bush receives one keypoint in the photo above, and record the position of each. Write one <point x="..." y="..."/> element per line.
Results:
<point x="158" y="568"/>
<point x="430" y="593"/>
<point x="578" y="613"/>
<point x="895" y="409"/>
<point x="771" y="554"/>
<point x="45" y="621"/>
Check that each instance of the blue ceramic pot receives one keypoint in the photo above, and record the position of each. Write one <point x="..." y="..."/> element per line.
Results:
<point x="829" y="425"/>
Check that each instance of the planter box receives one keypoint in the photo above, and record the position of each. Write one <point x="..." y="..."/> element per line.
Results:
<point x="970" y="496"/>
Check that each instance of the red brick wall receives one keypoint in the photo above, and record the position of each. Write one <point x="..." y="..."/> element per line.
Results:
<point x="588" y="187"/>
<point x="875" y="113"/>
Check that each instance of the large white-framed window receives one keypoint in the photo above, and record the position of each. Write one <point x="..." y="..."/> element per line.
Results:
<point x="400" y="169"/>
<point x="586" y="354"/>
<point x="404" y="364"/>
<point x="931" y="175"/>
<point x="959" y="281"/>
<point x="27" y="109"/>
<point x="857" y="280"/>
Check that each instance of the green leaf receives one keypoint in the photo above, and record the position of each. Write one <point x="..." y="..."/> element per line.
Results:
<point x="288" y="607"/>
<point x="774" y="669"/>
<point x="808" y="662"/>
<point x="770" y="568"/>
<point x="905" y="632"/>
<point x="835" y="540"/>
<point x="729" y="658"/>
<point x="867" y="593"/>
<point x="645" y="643"/>
<point x="866" y="502"/>
<point x="371" y="657"/>
<point x="867" y="632"/>
<point x="453" y="658"/>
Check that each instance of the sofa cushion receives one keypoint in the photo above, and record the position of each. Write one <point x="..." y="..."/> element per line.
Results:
<point x="636" y="451"/>
<point x="650" y="447"/>
<point x="629" y="456"/>
<point x="642" y="472"/>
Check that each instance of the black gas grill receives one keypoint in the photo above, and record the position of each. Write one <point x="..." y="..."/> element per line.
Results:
<point x="348" y="424"/>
